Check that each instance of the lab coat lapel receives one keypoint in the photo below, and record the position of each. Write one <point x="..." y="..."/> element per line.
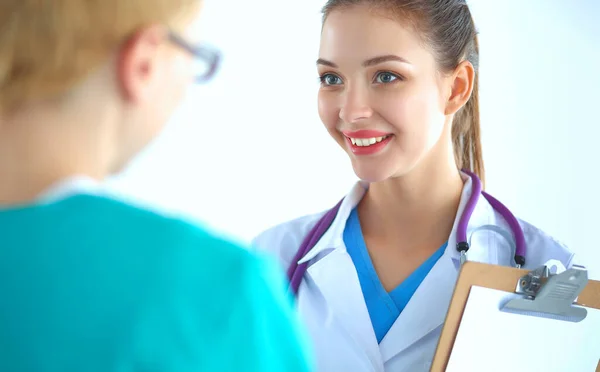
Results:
<point x="335" y="277"/>
<point x="425" y="311"/>
<point x="333" y="273"/>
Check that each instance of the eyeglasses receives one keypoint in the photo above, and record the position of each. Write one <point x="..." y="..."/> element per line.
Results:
<point x="207" y="60"/>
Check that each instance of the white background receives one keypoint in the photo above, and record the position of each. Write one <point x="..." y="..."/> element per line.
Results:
<point x="248" y="150"/>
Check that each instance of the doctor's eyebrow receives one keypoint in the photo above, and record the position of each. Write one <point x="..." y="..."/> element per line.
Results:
<point x="381" y="59"/>
<point x="325" y="62"/>
<point x="369" y="62"/>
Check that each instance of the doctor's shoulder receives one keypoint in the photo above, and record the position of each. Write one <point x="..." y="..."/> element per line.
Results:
<point x="542" y="247"/>
<point x="229" y="305"/>
<point x="283" y="240"/>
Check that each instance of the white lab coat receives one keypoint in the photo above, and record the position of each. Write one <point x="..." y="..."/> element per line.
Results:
<point x="331" y="303"/>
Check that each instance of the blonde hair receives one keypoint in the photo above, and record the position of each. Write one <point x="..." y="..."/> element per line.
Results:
<point x="46" y="47"/>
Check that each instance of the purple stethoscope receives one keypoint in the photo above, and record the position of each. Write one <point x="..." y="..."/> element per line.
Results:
<point x="296" y="271"/>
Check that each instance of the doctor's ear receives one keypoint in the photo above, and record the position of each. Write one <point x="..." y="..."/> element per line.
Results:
<point x="461" y="87"/>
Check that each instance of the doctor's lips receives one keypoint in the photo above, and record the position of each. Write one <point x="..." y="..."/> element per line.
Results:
<point x="366" y="142"/>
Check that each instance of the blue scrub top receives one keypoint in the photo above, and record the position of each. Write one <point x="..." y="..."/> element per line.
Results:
<point x="384" y="308"/>
<point x="90" y="283"/>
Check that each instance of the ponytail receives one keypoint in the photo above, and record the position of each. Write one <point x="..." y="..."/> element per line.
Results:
<point x="466" y="132"/>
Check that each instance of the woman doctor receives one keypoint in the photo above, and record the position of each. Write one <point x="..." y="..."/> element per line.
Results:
<point x="399" y="94"/>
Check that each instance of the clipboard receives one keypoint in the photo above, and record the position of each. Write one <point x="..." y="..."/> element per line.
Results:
<point x="502" y="278"/>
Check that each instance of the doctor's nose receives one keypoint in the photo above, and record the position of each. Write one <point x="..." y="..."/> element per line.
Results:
<point x="355" y="106"/>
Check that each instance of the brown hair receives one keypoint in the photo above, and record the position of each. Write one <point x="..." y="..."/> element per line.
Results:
<point x="447" y="27"/>
<point x="46" y="47"/>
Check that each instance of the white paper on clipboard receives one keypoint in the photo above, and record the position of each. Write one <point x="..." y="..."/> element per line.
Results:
<point x="491" y="340"/>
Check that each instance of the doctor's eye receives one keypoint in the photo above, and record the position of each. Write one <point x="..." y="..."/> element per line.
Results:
<point x="330" y="79"/>
<point x="386" y="77"/>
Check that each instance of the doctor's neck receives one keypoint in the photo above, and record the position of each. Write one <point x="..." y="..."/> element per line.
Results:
<point x="419" y="203"/>
<point x="428" y="189"/>
<point x="44" y="143"/>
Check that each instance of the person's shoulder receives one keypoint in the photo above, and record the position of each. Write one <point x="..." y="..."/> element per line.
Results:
<point x="191" y="236"/>
<point x="201" y="256"/>
<point x="282" y="240"/>
<point x="542" y="247"/>
<point x="253" y="313"/>
<point x="236" y="298"/>
<point x="128" y="220"/>
<point x="220" y="267"/>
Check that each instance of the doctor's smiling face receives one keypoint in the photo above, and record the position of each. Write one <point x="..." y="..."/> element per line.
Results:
<point x="383" y="96"/>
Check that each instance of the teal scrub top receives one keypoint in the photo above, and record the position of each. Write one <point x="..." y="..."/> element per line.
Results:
<point x="91" y="283"/>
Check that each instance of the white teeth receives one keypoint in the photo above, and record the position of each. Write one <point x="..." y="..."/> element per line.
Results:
<point x="367" y="141"/>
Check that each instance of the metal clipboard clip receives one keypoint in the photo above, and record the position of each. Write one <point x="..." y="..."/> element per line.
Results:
<point x="550" y="295"/>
